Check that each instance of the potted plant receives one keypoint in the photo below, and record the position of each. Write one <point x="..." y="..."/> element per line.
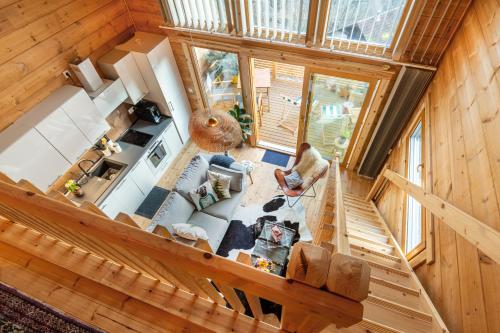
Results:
<point x="73" y="187"/>
<point x="245" y="121"/>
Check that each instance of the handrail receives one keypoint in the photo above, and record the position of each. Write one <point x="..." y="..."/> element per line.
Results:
<point x="476" y="232"/>
<point x="191" y="266"/>
<point x="340" y="216"/>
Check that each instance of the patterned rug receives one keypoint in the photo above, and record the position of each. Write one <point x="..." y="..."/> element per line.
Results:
<point x="247" y="224"/>
<point x="21" y="314"/>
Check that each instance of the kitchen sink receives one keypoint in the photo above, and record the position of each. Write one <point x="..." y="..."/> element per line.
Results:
<point x="102" y="175"/>
<point x="106" y="169"/>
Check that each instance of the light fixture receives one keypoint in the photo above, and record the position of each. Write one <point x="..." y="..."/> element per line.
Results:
<point x="214" y="131"/>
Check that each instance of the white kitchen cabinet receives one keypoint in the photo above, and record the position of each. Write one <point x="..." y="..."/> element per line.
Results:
<point x="143" y="177"/>
<point x="26" y="154"/>
<point x="173" y="141"/>
<point x="121" y="64"/>
<point x="64" y="135"/>
<point x="86" y="116"/>
<point x="156" y="62"/>
<point x="109" y="96"/>
<point x="126" y="198"/>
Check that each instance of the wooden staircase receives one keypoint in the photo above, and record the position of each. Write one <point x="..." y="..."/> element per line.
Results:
<point x="397" y="302"/>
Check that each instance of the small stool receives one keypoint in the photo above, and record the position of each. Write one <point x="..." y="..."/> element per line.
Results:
<point x="248" y="167"/>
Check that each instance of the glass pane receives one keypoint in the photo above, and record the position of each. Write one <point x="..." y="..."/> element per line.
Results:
<point x="219" y="72"/>
<point x="270" y="17"/>
<point x="334" y="107"/>
<point x="370" y="21"/>
<point x="414" y="209"/>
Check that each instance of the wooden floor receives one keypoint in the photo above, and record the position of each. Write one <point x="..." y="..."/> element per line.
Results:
<point x="277" y="112"/>
<point x="265" y="186"/>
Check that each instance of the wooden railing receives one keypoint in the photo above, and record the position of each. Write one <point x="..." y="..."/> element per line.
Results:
<point x="341" y="235"/>
<point x="476" y="232"/>
<point x="85" y="240"/>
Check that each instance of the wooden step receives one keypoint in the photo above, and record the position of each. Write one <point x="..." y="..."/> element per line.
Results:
<point x="368" y="234"/>
<point x="361" y="208"/>
<point x="390" y="274"/>
<point x="394" y="293"/>
<point x="388" y="247"/>
<point x="366" y="226"/>
<point x="360" y="214"/>
<point x="370" y="246"/>
<point x="370" y="255"/>
<point x="355" y="218"/>
<point x="354" y="197"/>
<point x="376" y="253"/>
<point x="395" y="316"/>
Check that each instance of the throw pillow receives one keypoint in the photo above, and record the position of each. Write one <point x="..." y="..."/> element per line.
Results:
<point x="237" y="177"/>
<point x="194" y="175"/>
<point x="293" y="180"/>
<point x="222" y="160"/>
<point x="189" y="231"/>
<point x="203" y="196"/>
<point x="220" y="183"/>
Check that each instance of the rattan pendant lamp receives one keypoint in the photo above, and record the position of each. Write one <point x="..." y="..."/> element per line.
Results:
<point x="215" y="131"/>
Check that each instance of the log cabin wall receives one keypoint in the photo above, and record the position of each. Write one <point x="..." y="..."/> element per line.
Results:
<point x="38" y="39"/>
<point x="464" y="126"/>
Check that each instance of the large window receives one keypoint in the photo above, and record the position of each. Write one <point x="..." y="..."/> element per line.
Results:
<point x="414" y="226"/>
<point x="219" y="73"/>
<point x="363" y="22"/>
<point x="278" y="19"/>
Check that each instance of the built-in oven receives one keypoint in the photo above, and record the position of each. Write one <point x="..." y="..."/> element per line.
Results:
<point x="158" y="156"/>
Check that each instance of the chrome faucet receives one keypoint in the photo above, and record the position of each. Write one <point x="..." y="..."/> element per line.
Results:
<point x="86" y="172"/>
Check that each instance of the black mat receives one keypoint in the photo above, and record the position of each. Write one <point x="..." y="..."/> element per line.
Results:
<point x="273" y="157"/>
<point x="22" y="314"/>
<point x="152" y="203"/>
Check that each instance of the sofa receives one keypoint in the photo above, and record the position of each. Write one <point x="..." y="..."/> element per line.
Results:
<point x="179" y="208"/>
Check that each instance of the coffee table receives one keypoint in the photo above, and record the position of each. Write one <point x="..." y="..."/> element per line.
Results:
<point x="266" y="247"/>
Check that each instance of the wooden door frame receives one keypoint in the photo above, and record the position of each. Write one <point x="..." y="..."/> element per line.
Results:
<point x="304" y="108"/>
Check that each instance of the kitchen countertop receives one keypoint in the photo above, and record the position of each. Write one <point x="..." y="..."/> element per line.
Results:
<point x="130" y="154"/>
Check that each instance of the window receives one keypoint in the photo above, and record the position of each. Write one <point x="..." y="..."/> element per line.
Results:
<point x="219" y="73"/>
<point x="208" y="15"/>
<point x="362" y="23"/>
<point x="278" y="19"/>
<point x="414" y="226"/>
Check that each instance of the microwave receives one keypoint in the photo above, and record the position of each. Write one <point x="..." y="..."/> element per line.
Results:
<point x="158" y="156"/>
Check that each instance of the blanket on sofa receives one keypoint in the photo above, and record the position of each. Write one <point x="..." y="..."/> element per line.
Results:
<point x="247" y="223"/>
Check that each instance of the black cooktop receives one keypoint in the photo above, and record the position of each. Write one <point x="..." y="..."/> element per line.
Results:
<point x="136" y="138"/>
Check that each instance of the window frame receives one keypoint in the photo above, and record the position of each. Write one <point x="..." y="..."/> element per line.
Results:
<point x="419" y="119"/>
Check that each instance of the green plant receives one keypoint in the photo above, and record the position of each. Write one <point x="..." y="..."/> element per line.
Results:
<point x="245" y="121"/>
<point x="72" y="186"/>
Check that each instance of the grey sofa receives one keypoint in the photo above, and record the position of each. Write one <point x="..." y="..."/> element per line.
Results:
<point x="179" y="208"/>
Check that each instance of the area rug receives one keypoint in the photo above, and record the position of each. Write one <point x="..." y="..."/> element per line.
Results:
<point x="152" y="203"/>
<point x="22" y="314"/>
<point x="273" y="157"/>
<point x="248" y="221"/>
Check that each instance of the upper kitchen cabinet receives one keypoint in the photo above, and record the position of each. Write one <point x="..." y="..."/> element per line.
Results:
<point x="26" y="154"/>
<point x="58" y="128"/>
<point x="156" y="62"/>
<point x="85" y="114"/>
<point x="109" y="96"/>
<point x="121" y="64"/>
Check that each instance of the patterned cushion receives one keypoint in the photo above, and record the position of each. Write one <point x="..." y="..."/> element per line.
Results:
<point x="237" y="177"/>
<point x="220" y="184"/>
<point x="203" y="196"/>
<point x="293" y="180"/>
<point x="193" y="176"/>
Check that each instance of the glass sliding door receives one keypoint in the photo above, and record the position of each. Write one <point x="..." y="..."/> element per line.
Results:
<point x="219" y="73"/>
<point x="334" y="106"/>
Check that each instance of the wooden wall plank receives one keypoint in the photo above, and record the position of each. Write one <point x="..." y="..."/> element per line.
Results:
<point x="33" y="57"/>
<point x="464" y="126"/>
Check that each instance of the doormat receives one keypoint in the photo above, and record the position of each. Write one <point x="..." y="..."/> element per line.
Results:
<point x="22" y="314"/>
<point x="273" y="157"/>
<point x="152" y="203"/>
